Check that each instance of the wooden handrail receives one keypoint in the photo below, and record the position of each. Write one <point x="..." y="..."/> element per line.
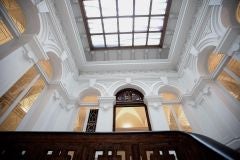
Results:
<point x="170" y="145"/>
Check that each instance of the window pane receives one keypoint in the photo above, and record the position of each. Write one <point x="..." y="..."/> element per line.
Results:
<point x="110" y="25"/>
<point x="125" y="39"/>
<point x="92" y="8"/>
<point x="234" y="66"/>
<point x="97" y="40"/>
<point x="141" y="24"/>
<point x="182" y="119"/>
<point x="158" y="7"/>
<point x="142" y="7"/>
<point x="125" y="24"/>
<point x="95" y="26"/>
<point x="230" y="84"/>
<point x="112" y="40"/>
<point x="140" y="39"/>
<point x="156" y="23"/>
<point x="170" y="118"/>
<point x="154" y="38"/>
<point x="125" y="7"/>
<point x="15" y="12"/>
<point x="131" y="119"/>
<point x="5" y="34"/>
<point x="18" y="113"/>
<point x="8" y="98"/>
<point x="108" y="7"/>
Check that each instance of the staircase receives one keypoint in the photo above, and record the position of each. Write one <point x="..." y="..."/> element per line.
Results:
<point x="169" y="145"/>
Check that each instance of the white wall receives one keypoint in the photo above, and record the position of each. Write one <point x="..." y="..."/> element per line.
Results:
<point x="12" y="67"/>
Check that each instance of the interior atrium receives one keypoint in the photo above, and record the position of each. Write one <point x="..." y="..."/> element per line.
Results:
<point x="121" y="66"/>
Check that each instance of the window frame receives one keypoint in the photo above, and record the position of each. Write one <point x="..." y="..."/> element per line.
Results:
<point x="133" y="16"/>
<point x="124" y="104"/>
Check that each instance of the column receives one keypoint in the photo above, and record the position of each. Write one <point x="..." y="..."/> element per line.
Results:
<point x="105" y="114"/>
<point x="156" y="113"/>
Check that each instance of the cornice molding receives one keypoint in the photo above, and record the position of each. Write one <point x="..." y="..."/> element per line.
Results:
<point x="201" y="16"/>
<point x="60" y="36"/>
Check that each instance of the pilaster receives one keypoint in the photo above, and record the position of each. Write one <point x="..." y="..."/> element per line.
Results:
<point x="105" y="114"/>
<point x="157" y="116"/>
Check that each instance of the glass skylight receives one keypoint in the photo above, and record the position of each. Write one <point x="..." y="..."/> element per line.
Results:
<point x="125" y="23"/>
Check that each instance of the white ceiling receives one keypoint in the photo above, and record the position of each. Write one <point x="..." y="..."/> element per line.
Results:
<point x="178" y="28"/>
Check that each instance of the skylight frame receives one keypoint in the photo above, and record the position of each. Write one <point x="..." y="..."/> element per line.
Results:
<point x="118" y="32"/>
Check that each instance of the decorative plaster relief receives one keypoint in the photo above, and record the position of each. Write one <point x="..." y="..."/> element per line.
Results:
<point x="215" y="2"/>
<point x="194" y="51"/>
<point x="164" y="80"/>
<point x="27" y="55"/>
<point x="192" y="104"/>
<point x="206" y="91"/>
<point x="64" y="55"/>
<point x="42" y="7"/>
<point x="128" y="80"/>
<point x="92" y="82"/>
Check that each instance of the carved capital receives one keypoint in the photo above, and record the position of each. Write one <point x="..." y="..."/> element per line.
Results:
<point x="107" y="100"/>
<point x="28" y="56"/>
<point x="56" y="96"/>
<point x="192" y="104"/>
<point x="106" y="106"/>
<point x="206" y="91"/>
<point x="153" y="101"/>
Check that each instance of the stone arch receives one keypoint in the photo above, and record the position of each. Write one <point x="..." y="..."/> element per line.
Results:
<point x="202" y="68"/>
<point x="159" y="86"/>
<point x="169" y="88"/>
<point x="44" y="28"/>
<point x="141" y="87"/>
<point x="89" y="92"/>
<point x="217" y="21"/>
<point x="209" y="40"/>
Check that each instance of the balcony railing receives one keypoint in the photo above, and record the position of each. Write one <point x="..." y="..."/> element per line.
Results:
<point x="111" y="146"/>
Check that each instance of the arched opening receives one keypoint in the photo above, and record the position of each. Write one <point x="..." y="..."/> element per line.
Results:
<point x="228" y="73"/>
<point x="18" y="100"/>
<point x="130" y="112"/>
<point x="223" y="69"/>
<point x="87" y="115"/>
<point x="203" y="58"/>
<point x="174" y="113"/>
<point x="19" y="22"/>
<point x="14" y="15"/>
<point x="229" y="77"/>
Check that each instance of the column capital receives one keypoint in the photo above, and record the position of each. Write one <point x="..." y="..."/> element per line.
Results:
<point x="152" y="99"/>
<point x="107" y="99"/>
<point x="106" y="102"/>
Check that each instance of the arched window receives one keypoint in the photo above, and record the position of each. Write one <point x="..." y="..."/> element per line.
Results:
<point x="130" y="112"/>
<point x="174" y="112"/>
<point x="87" y="116"/>
<point x="229" y="74"/>
<point x="12" y="20"/>
<point x="17" y="101"/>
